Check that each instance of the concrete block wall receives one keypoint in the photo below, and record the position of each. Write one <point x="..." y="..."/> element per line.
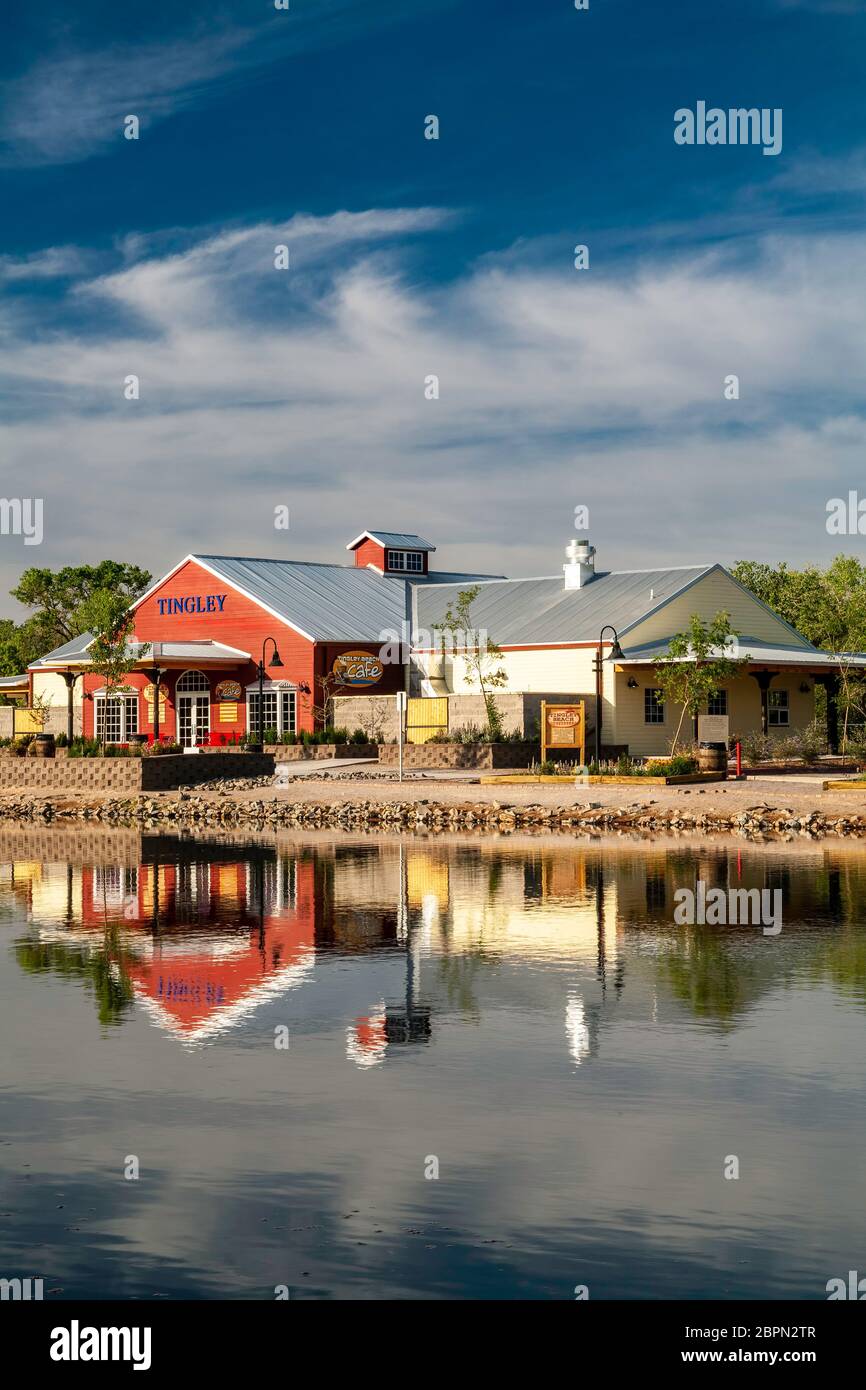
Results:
<point x="129" y="775"/>
<point x="299" y="752"/>
<point x="521" y="711"/>
<point x="55" y="720"/>
<point x="458" y="755"/>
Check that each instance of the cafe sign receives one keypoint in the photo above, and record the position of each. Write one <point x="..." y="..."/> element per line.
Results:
<point x="358" y="668"/>
<point x="228" y="690"/>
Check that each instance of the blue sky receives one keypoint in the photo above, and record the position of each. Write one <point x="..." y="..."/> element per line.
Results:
<point x="409" y="257"/>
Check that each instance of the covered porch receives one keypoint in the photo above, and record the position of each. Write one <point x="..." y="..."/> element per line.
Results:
<point x="773" y="693"/>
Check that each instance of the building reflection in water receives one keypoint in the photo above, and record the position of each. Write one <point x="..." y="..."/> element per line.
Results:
<point x="201" y="934"/>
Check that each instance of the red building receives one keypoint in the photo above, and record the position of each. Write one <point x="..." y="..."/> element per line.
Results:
<point x="203" y="628"/>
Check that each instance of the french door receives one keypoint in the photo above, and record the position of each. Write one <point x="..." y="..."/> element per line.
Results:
<point x="193" y="720"/>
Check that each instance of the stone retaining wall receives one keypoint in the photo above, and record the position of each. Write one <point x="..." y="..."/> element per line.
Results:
<point x="298" y="752"/>
<point x="163" y="773"/>
<point x="459" y="755"/>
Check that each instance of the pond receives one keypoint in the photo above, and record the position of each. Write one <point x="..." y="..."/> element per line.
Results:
<point x="369" y="1067"/>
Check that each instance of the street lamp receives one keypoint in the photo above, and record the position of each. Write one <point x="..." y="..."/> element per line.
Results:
<point x="275" y="661"/>
<point x="614" y="655"/>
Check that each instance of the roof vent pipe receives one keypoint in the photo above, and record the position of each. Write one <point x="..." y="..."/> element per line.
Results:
<point x="580" y="569"/>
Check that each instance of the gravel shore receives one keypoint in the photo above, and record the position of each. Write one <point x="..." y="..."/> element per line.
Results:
<point x="764" y="806"/>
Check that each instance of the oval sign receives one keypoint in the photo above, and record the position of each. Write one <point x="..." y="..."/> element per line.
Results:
<point x="228" y="690"/>
<point x="358" y="668"/>
<point x="568" y="717"/>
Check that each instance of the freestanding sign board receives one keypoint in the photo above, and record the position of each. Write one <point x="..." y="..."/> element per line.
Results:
<point x="713" y="728"/>
<point x="563" y="726"/>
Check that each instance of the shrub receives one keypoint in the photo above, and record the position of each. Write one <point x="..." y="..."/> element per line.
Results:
<point x="786" y="747"/>
<point x="812" y="742"/>
<point x="270" y="736"/>
<point x="359" y="736"/>
<point x="678" y="765"/>
<point x="289" y="738"/>
<point x="756" y="746"/>
<point x="467" y="733"/>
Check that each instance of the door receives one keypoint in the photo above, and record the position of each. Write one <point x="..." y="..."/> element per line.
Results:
<point x="193" y="720"/>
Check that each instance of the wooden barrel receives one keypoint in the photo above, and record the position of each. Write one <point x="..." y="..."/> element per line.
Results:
<point x="43" y="746"/>
<point x="713" y="757"/>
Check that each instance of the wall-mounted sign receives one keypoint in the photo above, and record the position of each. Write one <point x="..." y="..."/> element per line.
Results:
<point x="228" y="690"/>
<point x="228" y="712"/>
<point x="192" y="603"/>
<point x="148" y="693"/>
<point x="563" y="726"/>
<point x="358" y="668"/>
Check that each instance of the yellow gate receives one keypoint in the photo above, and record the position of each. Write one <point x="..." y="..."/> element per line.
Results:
<point x="426" y="716"/>
<point x="27" y="721"/>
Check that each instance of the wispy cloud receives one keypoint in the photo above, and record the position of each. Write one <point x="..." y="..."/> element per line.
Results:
<point x="72" y="102"/>
<point x="70" y="105"/>
<point x="54" y="263"/>
<point x="306" y="387"/>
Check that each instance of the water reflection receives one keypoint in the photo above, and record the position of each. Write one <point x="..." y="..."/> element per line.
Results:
<point x="525" y="1009"/>
<point x="200" y="933"/>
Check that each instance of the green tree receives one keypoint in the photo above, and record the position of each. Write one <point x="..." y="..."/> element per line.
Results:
<point x="111" y="653"/>
<point x="60" y="599"/>
<point x="480" y="653"/>
<point x="694" y="668"/>
<point x="829" y="608"/>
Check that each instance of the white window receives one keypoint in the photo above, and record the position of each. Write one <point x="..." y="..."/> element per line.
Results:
<point x="653" y="707"/>
<point x="280" y="710"/>
<point x="777" y="709"/>
<point x="117" y="716"/>
<point x="411" y="561"/>
<point x="193" y="680"/>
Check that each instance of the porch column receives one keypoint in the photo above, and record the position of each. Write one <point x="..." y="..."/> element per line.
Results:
<point x="155" y="677"/>
<point x="70" y="678"/>
<point x="763" y="678"/>
<point x="831" y="688"/>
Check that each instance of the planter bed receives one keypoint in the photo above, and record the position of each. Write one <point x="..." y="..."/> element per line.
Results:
<point x="683" y="779"/>
<point x="459" y="755"/>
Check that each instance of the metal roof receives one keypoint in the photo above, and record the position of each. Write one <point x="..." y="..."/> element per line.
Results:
<point x="189" y="650"/>
<point x="450" y="577"/>
<point x="398" y="540"/>
<point x="76" y="650"/>
<point x="756" y="652"/>
<point x="327" y="603"/>
<point x="11" y="682"/>
<point x="531" y="612"/>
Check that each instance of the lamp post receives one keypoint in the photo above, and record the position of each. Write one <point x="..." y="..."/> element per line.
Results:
<point x="260" y="722"/>
<point x="615" y="655"/>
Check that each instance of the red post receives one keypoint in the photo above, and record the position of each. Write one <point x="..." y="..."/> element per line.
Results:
<point x="739" y="760"/>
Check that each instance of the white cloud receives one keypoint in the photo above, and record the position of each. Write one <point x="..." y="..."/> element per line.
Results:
<point x="261" y="387"/>
<point x="72" y="102"/>
<point x="69" y="105"/>
<point x="54" y="263"/>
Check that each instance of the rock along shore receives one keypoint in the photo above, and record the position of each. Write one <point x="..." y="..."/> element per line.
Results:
<point x="234" y="806"/>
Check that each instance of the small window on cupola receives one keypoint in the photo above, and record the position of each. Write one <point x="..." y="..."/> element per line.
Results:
<point x="405" y="561"/>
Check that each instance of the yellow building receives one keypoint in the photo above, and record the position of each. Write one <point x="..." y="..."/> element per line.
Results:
<point x="551" y="631"/>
